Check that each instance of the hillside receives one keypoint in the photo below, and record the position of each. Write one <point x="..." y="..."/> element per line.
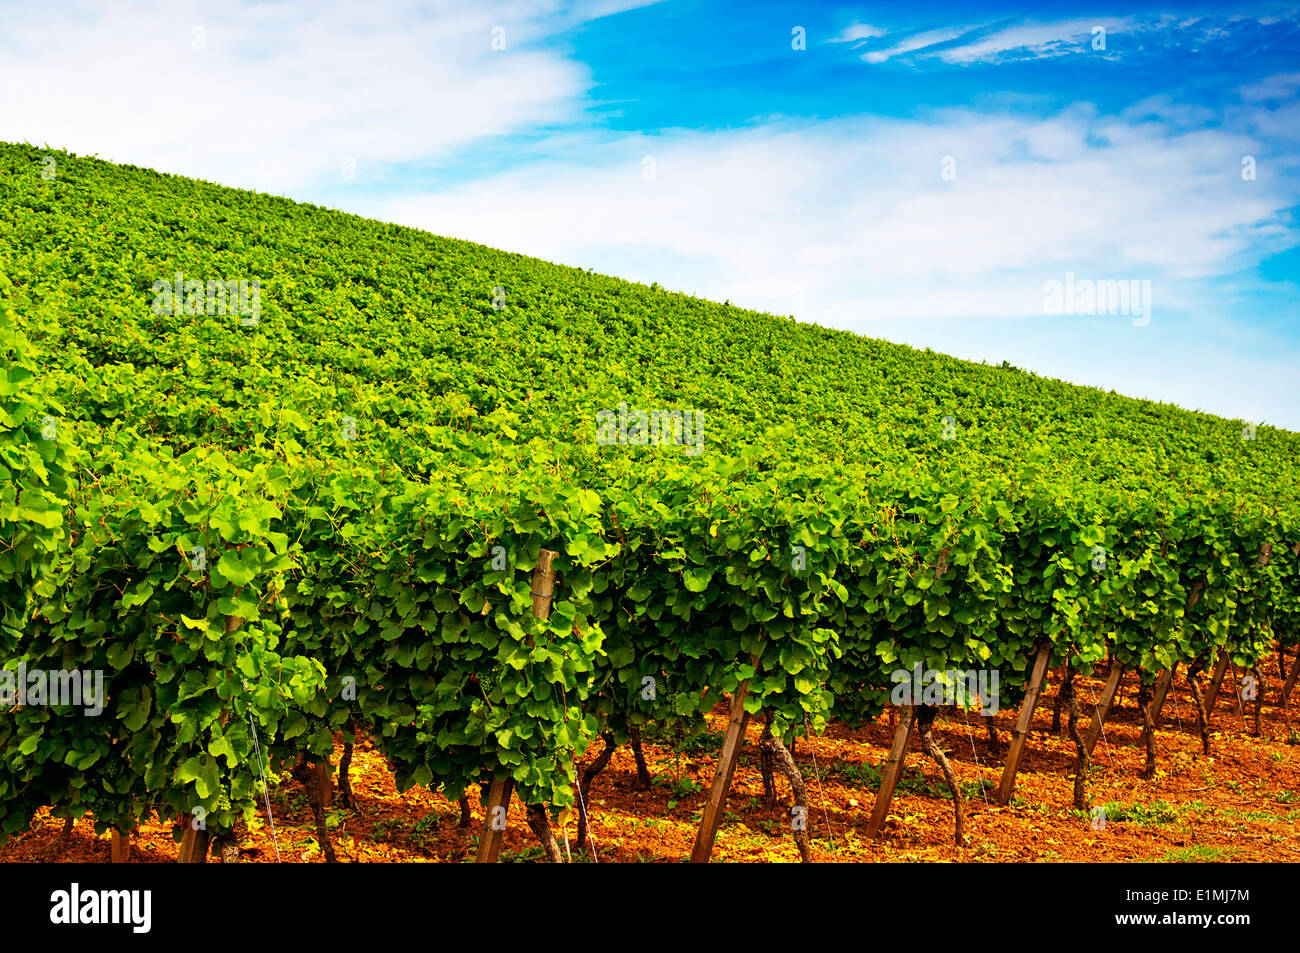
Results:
<point x="397" y="328"/>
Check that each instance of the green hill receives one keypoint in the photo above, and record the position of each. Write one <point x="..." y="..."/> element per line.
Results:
<point x="397" y="329"/>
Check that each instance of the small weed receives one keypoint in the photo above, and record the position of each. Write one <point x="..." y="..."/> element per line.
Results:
<point x="1157" y="812"/>
<point x="527" y="855"/>
<point x="425" y="830"/>
<point x="1194" y="855"/>
<point x="680" y="788"/>
<point x="976" y="790"/>
<point x="860" y="775"/>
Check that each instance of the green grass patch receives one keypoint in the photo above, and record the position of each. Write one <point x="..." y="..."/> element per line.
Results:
<point x="1199" y="854"/>
<point x="1157" y="812"/>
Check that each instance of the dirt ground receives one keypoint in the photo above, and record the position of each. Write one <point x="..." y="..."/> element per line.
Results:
<point x="1241" y="803"/>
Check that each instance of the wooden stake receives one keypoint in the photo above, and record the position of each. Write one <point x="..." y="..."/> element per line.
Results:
<point x="1286" y="689"/>
<point x="1291" y="679"/>
<point x="893" y="771"/>
<point x="543" y="585"/>
<point x="119" y="850"/>
<point x="489" y="842"/>
<point x="713" y="808"/>
<point x="1162" y="689"/>
<point x="1220" y="668"/>
<point x="1103" y="706"/>
<point x="194" y="844"/>
<point x="325" y="778"/>
<point x="1259" y="698"/>
<point x="1022" y="726"/>
<point x="1236" y="690"/>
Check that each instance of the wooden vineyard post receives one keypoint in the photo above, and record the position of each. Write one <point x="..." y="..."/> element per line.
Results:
<point x="543" y="584"/>
<point x="1162" y="690"/>
<point x="893" y="771"/>
<point x="498" y="800"/>
<point x="1236" y="691"/>
<point x="714" y="806"/>
<point x="1291" y="680"/>
<point x="1258" y="699"/>
<point x="1022" y="725"/>
<point x="119" y="848"/>
<point x="1103" y="705"/>
<point x="1062" y="673"/>
<point x="1219" y="670"/>
<point x="489" y="842"/>
<point x="194" y="843"/>
<point x="325" y="780"/>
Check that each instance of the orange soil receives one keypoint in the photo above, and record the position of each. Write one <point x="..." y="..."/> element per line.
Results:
<point x="1242" y="803"/>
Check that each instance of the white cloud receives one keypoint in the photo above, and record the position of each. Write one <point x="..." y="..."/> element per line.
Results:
<point x="1023" y="41"/>
<point x="1030" y="40"/>
<point x="836" y="203"/>
<point x="1035" y="40"/>
<point x="919" y="41"/>
<point x="279" y="95"/>
<point x="598" y="9"/>
<point x="856" y="32"/>
<point x="1280" y="87"/>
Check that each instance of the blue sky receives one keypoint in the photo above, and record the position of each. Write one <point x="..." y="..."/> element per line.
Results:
<point x="919" y="172"/>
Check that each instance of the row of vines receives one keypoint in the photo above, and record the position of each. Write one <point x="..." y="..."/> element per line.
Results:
<point x="181" y="512"/>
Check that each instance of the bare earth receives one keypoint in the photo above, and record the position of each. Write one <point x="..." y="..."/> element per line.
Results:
<point x="1242" y="803"/>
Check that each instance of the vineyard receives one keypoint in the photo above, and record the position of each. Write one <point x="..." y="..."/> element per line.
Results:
<point x="283" y="478"/>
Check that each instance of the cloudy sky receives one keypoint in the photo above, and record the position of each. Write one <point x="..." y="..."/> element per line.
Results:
<point x="918" y="172"/>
